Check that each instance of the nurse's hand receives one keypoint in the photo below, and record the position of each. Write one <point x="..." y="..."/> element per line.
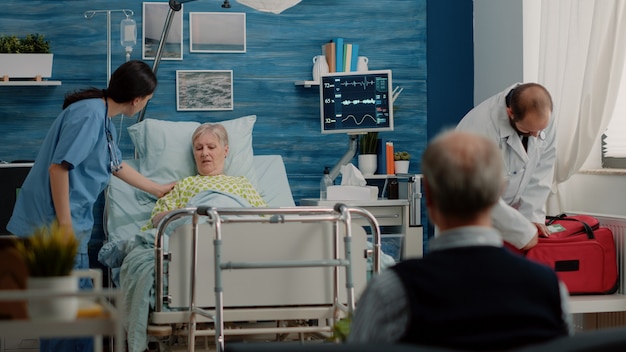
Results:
<point x="542" y="229"/>
<point x="165" y="189"/>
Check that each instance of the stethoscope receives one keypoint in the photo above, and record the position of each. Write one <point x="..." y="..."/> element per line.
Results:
<point x="116" y="165"/>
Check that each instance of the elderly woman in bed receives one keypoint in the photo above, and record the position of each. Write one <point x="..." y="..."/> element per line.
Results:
<point x="210" y="149"/>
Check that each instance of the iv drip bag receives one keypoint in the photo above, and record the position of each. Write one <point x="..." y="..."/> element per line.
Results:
<point x="128" y="33"/>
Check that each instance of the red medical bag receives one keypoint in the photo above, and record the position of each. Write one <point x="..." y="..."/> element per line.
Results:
<point x="581" y="252"/>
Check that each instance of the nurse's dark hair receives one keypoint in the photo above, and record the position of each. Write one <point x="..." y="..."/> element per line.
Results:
<point x="133" y="79"/>
<point x="538" y="99"/>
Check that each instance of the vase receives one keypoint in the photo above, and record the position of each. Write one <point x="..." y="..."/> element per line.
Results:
<point x="401" y="166"/>
<point x="320" y="66"/>
<point x="53" y="308"/>
<point x="368" y="163"/>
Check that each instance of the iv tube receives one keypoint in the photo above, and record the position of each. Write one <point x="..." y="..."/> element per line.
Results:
<point x="128" y="35"/>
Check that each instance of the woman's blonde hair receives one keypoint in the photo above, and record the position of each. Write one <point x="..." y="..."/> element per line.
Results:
<point x="217" y="129"/>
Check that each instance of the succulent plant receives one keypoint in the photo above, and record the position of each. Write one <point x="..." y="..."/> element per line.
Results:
<point x="401" y="156"/>
<point x="341" y="329"/>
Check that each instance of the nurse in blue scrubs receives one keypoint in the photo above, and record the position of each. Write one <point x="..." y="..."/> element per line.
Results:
<point x="75" y="163"/>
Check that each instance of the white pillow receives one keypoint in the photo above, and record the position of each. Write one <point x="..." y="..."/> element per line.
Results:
<point x="166" y="154"/>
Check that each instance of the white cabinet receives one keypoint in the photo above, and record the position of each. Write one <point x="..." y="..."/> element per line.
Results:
<point x="393" y="219"/>
<point x="23" y="334"/>
<point x="19" y="344"/>
<point x="399" y="219"/>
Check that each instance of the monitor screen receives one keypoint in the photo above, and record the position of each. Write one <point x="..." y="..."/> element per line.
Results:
<point x="356" y="102"/>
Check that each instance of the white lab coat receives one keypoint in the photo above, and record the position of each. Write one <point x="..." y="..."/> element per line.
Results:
<point x="529" y="174"/>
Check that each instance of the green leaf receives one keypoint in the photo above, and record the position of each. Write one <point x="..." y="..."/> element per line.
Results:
<point x="50" y="251"/>
<point x="368" y="142"/>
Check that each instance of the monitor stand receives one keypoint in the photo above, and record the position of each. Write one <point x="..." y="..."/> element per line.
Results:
<point x="346" y="158"/>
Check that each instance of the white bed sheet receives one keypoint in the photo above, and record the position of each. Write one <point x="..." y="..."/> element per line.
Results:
<point x="126" y="212"/>
<point x="128" y="209"/>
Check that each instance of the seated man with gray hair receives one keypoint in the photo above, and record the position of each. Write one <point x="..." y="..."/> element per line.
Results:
<point x="468" y="292"/>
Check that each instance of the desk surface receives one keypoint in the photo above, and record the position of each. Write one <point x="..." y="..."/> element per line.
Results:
<point x="598" y="303"/>
<point x="355" y="203"/>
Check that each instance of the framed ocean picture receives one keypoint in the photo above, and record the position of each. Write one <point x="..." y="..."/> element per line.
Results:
<point x="198" y="90"/>
<point x="217" y="32"/>
<point x="154" y="16"/>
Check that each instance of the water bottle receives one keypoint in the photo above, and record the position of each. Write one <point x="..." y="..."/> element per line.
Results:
<point x="324" y="183"/>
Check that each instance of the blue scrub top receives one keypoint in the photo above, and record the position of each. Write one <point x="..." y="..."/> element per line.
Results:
<point x="77" y="137"/>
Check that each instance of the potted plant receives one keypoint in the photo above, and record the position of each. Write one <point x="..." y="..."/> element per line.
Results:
<point x="25" y="57"/>
<point x="49" y="255"/>
<point x="401" y="162"/>
<point x="367" y="153"/>
<point x="341" y="330"/>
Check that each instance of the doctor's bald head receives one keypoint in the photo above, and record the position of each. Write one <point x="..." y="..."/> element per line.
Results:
<point x="529" y="107"/>
<point x="462" y="174"/>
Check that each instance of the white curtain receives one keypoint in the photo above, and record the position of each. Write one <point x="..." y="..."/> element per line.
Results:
<point x="581" y="57"/>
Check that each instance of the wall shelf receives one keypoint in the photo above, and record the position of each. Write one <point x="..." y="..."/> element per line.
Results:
<point x="30" y="83"/>
<point x="307" y="84"/>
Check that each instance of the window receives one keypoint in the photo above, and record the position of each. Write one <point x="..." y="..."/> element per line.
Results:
<point x="614" y="138"/>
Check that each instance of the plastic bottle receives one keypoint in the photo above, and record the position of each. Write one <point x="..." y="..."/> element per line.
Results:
<point x="324" y="183"/>
<point x="393" y="189"/>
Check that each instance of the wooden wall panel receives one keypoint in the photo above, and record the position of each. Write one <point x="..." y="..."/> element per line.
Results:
<point x="280" y="48"/>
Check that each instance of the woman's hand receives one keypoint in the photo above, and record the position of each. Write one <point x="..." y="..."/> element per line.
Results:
<point x="158" y="217"/>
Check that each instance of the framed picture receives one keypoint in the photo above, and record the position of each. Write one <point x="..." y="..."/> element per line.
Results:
<point x="204" y="90"/>
<point x="154" y="16"/>
<point x="217" y="32"/>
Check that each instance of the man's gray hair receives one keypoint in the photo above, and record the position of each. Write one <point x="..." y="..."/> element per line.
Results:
<point x="463" y="173"/>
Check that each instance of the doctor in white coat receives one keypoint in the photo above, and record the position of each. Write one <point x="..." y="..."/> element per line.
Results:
<point x="519" y="120"/>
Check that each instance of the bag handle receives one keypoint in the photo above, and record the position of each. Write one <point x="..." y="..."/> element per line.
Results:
<point x="588" y="230"/>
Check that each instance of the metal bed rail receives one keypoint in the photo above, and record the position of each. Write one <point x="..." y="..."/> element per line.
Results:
<point x="339" y="214"/>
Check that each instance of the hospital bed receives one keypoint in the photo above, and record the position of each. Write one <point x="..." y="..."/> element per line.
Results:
<point x="170" y="294"/>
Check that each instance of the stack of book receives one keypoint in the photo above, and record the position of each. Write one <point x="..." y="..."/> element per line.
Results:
<point x="384" y="150"/>
<point x="341" y="56"/>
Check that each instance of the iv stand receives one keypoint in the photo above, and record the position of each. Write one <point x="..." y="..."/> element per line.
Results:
<point x="90" y="14"/>
<point x="175" y="6"/>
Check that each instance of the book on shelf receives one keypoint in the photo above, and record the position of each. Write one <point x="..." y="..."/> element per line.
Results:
<point x="355" y="57"/>
<point x="330" y="53"/>
<point x="381" y="152"/>
<point x="338" y="54"/>
<point x="390" y="165"/>
<point x="347" y="57"/>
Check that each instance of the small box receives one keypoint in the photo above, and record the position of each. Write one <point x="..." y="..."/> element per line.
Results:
<point x="352" y="193"/>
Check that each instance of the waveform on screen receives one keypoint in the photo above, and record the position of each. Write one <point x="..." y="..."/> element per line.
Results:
<point x="357" y="101"/>
<point x="358" y="123"/>
<point x="364" y="83"/>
